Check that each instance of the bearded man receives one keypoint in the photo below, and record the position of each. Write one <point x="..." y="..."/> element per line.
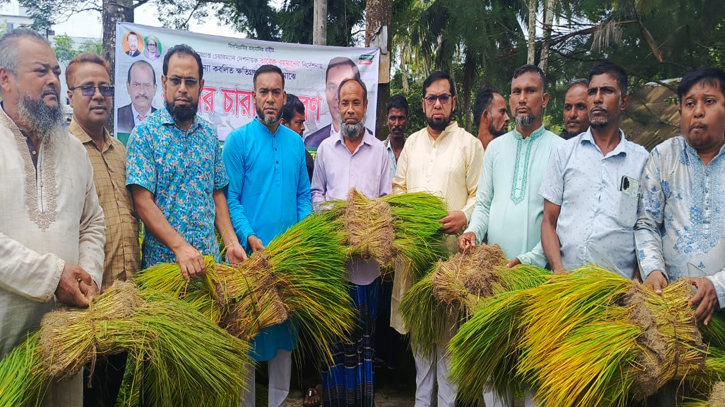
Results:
<point x="51" y="225"/>
<point x="353" y="159"/>
<point x="269" y="191"/>
<point x="176" y="175"/>
<point x="445" y="160"/>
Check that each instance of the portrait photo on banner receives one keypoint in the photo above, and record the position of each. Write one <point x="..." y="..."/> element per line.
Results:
<point x="311" y="73"/>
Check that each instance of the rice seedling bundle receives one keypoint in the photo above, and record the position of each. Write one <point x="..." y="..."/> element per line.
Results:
<point x="187" y="359"/>
<point x="716" y="398"/>
<point x="418" y="239"/>
<point x="299" y="276"/>
<point x="594" y="338"/>
<point x="588" y="338"/>
<point x="454" y="288"/>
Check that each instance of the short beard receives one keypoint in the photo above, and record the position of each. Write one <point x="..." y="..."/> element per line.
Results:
<point x="599" y="125"/>
<point x="438" y="126"/>
<point x="352" y="131"/>
<point x="567" y="135"/>
<point x="525" y="121"/>
<point x="268" y="120"/>
<point x="496" y="133"/>
<point x="40" y="119"/>
<point x="182" y="114"/>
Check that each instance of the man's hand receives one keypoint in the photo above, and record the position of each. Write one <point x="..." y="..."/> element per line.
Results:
<point x="236" y="254"/>
<point x="90" y="291"/>
<point x="255" y="244"/>
<point x="454" y="222"/>
<point x="706" y="297"/>
<point x="514" y="262"/>
<point x="656" y="281"/>
<point x="466" y="241"/>
<point x="190" y="261"/>
<point x="69" y="290"/>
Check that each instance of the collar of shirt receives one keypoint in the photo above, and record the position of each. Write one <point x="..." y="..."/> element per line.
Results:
<point x="261" y="127"/>
<point x="691" y="153"/>
<point x="136" y="114"/>
<point x="165" y="118"/>
<point x="588" y="138"/>
<point x="339" y="139"/>
<point x="451" y="128"/>
<point x="534" y="135"/>
<point x="75" y="129"/>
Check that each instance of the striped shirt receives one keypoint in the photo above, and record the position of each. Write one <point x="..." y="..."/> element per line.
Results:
<point x="109" y="175"/>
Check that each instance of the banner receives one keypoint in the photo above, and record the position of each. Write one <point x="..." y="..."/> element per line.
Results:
<point x="229" y="65"/>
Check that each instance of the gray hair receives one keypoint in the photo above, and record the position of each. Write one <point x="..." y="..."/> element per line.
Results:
<point x="9" y="49"/>
<point x="576" y="82"/>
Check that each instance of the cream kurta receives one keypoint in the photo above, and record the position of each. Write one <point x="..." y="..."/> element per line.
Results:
<point x="448" y="167"/>
<point x="43" y="224"/>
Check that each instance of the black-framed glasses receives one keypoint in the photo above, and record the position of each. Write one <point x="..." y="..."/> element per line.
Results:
<point x="150" y="44"/>
<point x="431" y="100"/>
<point x="90" y="90"/>
<point x="189" y="82"/>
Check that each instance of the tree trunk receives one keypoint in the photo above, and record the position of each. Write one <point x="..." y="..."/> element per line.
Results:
<point x="378" y="18"/>
<point x="548" y="20"/>
<point x="113" y="11"/>
<point x="531" y="57"/>
<point x="469" y="76"/>
<point x="404" y="73"/>
<point x="319" y="29"/>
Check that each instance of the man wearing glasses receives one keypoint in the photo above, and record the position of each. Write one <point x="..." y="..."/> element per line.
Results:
<point x="445" y="160"/>
<point x="141" y="87"/>
<point x="176" y="175"/>
<point x="91" y="96"/>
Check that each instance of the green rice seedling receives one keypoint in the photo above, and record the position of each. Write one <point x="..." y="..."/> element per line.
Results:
<point x="186" y="359"/>
<point x="418" y="238"/>
<point x="594" y="338"/>
<point x="485" y="348"/>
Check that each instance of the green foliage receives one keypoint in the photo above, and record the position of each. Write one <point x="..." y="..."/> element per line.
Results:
<point x="64" y="48"/>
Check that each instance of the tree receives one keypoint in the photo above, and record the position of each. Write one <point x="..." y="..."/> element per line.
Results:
<point x="63" y="48"/>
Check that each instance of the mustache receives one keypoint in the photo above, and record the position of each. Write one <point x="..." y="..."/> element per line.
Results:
<point x="598" y="109"/>
<point x="51" y="91"/>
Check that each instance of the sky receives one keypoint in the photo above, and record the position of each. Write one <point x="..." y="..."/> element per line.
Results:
<point x="88" y="24"/>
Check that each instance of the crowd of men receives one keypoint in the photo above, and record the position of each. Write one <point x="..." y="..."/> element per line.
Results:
<point x="72" y="200"/>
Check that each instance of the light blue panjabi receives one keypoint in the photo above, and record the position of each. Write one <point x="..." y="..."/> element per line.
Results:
<point x="508" y="207"/>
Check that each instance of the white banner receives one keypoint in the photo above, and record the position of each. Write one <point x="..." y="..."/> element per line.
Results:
<point x="229" y="64"/>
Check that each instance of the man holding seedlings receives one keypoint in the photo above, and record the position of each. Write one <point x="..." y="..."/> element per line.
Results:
<point x="51" y="225"/>
<point x="269" y="191"/>
<point x="508" y="209"/>
<point x="351" y="159"/>
<point x="91" y="96"/>
<point x="176" y="174"/>
<point x="445" y="160"/>
<point x="680" y="229"/>
<point x="591" y="186"/>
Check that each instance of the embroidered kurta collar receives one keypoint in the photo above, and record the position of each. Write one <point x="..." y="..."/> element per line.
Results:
<point x="533" y="136"/>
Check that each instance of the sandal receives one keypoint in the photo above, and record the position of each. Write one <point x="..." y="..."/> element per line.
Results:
<point x="312" y="399"/>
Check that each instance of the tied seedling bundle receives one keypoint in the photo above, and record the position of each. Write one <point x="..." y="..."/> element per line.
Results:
<point x="187" y="359"/>
<point x="454" y="289"/>
<point x="588" y="338"/>
<point x="401" y="229"/>
<point x="299" y="276"/>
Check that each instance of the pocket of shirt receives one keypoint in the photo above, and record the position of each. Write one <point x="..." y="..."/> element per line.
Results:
<point x="627" y="211"/>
